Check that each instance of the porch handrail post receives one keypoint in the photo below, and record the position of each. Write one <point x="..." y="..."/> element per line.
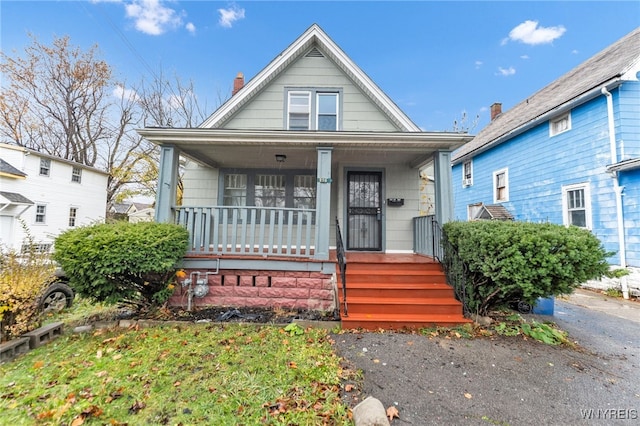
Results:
<point x="167" y="183"/>
<point x="323" y="203"/>
<point x="443" y="186"/>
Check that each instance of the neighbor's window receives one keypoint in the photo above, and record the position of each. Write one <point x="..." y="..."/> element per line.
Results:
<point x="560" y="124"/>
<point x="73" y="214"/>
<point x="76" y="174"/>
<point x="235" y="190"/>
<point x="45" y="166"/>
<point x="313" y="109"/>
<point x="501" y="186"/>
<point x="467" y="173"/>
<point x="576" y="208"/>
<point x="41" y="213"/>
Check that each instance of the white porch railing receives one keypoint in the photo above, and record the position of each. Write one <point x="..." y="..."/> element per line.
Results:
<point x="249" y="230"/>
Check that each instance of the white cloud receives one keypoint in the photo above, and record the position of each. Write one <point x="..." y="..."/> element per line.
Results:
<point x="524" y="57"/>
<point x="505" y="72"/>
<point x="121" y="92"/>
<point x="574" y="52"/>
<point x="190" y="27"/>
<point x="478" y="64"/>
<point x="529" y="32"/>
<point x="152" y="17"/>
<point x="229" y="16"/>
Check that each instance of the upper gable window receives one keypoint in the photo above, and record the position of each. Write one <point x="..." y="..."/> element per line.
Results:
<point x="313" y="109"/>
<point x="45" y="166"/>
<point x="560" y="124"/>
<point x="76" y="175"/>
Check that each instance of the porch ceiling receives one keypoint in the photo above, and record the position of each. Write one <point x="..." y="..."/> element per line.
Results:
<point x="238" y="149"/>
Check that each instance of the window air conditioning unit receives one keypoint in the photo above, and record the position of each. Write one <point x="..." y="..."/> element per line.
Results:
<point x="466" y="182"/>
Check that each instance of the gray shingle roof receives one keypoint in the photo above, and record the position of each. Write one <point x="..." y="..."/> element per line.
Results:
<point x="15" y="198"/>
<point x="605" y="67"/>
<point x="9" y="169"/>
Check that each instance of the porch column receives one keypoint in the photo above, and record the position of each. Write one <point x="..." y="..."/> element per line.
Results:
<point x="323" y="203"/>
<point x="443" y="186"/>
<point x="167" y="183"/>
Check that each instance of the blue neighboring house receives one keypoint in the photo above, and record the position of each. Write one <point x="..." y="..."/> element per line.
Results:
<point x="569" y="154"/>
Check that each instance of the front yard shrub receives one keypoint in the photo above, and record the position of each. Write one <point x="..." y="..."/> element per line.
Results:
<point x="23" y="278"/>
<point x="520" y="261"/>
<point x="130" y="263"/>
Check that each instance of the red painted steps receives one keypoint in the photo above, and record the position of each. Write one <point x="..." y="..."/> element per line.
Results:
<point x="397" y="292"/>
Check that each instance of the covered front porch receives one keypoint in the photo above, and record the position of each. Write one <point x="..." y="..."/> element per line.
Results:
<point x="369" y="181"/>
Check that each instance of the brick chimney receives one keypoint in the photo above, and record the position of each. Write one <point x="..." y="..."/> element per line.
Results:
<point x="496" y="110"/>
<point x="238" y="83"/>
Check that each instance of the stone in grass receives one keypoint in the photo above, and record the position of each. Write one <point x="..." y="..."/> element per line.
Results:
<point x="370" y="412"/>
<point x="83" y="329"/>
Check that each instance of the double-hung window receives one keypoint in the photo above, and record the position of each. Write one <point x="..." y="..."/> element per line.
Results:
<point x="576" y="205"/>
<point x="76" y="174"/>
<point x="41" y="214"/>
<point x="467" y="173"/>
<point x="501" y="186"/>
<point x="313" y="109"/>
<point x="73" y="215"/>
<point x="45" y="166"/>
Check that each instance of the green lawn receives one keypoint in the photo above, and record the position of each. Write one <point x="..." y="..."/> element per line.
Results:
<point x="189" y="374"/>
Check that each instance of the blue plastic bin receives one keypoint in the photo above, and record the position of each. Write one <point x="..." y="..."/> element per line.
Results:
<point x="544" y="306"/>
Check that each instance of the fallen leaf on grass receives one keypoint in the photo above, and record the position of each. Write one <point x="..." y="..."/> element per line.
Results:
<point x="38" y="364"/>
<point x="293" y="365"/>
<point x="137" y="406"/>
<point x="468" y="395"/>
<point x="392" y="412"/>
<point x="348" y="388"/>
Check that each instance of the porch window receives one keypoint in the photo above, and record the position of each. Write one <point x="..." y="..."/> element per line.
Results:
<point x="269" y="191"/>
<point x="576" y="200"/>
<point x="501" y="186"/>
<point x="313" y="109"/>
<point x="45" y="166"/>
<point x="235" y="190"/>
<point x="293" y="189"/>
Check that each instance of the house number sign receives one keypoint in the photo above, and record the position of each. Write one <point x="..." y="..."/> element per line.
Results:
<point x="324" y="180"/>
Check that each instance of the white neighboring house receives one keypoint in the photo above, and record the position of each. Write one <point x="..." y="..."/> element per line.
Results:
<point x="132" y="211"/>
<point x="146" y="214"/>
<point x="48" y="193"/>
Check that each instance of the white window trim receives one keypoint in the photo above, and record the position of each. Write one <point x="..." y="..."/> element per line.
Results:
<point x="76" y="177"/>
<point x="552" y="122"/>
<point x="44" y="216"/>
<point x="314" y="93"/>
<point x="467" y="181"/>
<point x="47" y="168"/>
<point x="587" y="203"/>
<point x="75" y="217"/>
<point x="506" y="185"/>
<point x="308" y="112"/>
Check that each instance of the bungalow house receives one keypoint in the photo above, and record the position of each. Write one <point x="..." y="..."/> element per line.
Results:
<point x="568" y="154"/>
<point x="47" y="195"/>
<point x="309" y="157"/>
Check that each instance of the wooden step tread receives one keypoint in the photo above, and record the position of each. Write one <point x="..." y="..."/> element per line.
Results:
<point x="406" y="318"/>
<point x="403" y="301"/>
<point x="396" y="286"/>
<point x="410" y="272"/>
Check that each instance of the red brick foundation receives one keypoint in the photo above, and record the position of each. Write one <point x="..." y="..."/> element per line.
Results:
<point x="312" y="291"/>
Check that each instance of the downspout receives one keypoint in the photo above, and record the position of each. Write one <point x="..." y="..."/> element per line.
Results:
<point x="617" y="189"/>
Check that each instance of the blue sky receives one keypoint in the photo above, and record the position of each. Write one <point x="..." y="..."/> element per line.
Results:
<point x="434" y="59"/>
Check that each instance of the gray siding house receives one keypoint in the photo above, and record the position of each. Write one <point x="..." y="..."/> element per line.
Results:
<point x="308" y="146"/>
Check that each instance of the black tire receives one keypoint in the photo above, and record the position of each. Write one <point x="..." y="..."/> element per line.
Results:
<point x="57" y="297"/>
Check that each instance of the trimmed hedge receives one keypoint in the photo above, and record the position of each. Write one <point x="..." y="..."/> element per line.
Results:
<point x="122" y="262"/>
<point x="520" y="261"/>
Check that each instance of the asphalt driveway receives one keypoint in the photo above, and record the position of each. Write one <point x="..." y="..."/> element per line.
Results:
<point x="505" y="381"/>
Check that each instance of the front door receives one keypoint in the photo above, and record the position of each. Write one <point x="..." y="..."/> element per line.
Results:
<point x="364" y="211"/>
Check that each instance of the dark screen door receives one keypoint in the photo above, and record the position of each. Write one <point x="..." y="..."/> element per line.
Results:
<point x="364" y="211"/>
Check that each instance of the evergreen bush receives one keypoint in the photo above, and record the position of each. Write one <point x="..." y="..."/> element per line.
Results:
<point x="130" y="263"/>
<point x="520" y="261"/>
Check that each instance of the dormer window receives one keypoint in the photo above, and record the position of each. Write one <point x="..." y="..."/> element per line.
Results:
<point x="313" y="109"/>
